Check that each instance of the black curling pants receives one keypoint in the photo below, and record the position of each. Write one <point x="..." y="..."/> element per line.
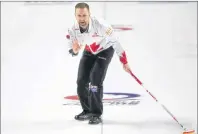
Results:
<point x="91" y="74"/>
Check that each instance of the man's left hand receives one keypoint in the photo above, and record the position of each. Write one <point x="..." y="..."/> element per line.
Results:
<point x="127" y="68"/>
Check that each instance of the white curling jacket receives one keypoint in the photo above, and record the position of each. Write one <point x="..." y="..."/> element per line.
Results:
<point x="99" y="37"/>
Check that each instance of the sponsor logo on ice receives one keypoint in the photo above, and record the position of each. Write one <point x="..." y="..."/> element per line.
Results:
<point x="110" y="99"/>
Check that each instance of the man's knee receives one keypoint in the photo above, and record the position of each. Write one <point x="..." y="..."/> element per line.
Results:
<point x="82" y="88"/>
<point x="81" y="81"/>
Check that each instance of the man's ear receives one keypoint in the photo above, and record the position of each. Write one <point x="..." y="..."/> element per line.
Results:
<point x="89" y="14"/>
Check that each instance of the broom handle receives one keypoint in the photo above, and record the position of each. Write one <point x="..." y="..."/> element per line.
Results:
<point x="157" y="100"/>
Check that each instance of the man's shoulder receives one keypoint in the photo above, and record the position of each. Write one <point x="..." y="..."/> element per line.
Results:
<point x="100" y="21"/>
<point x="97" y="19"/>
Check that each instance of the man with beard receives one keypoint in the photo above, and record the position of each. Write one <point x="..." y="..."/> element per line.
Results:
<point x="100" y="43"/>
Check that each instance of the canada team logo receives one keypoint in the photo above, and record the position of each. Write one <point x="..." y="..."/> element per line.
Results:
<point x="110" y="99"/>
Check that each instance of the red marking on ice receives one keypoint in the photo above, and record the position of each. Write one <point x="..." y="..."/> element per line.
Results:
<point x="74" y="97"/>
<point x="123" y="28"/>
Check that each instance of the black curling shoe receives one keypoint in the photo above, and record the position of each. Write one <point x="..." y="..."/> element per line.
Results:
<point x="95" y="120"/>
<point x="83" y="116"/>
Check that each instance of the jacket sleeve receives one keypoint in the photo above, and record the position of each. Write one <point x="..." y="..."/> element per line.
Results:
<point x="70" y="37"/>
<point x="109" y="35"/>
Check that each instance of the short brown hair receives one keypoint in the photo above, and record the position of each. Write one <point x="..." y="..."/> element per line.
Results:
<point x="82" y="5"/>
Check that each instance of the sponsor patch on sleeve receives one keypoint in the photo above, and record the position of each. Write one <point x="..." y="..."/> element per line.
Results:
<point x="109" y="31"/>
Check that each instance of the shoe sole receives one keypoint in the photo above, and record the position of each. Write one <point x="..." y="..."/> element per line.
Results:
<point x="82" y="119"/>
<point x="95" y="123"/>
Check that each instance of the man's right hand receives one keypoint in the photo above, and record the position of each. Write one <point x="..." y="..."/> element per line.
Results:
<point x="76" y="47"/>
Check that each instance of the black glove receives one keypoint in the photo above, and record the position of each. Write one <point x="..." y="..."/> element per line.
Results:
<point x="72" y="52"/>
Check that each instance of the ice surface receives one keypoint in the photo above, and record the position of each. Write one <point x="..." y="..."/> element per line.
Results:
<point x="37" y="72"/>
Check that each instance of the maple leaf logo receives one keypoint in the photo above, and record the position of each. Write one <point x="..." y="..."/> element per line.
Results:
<point x="95" y="47"/>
